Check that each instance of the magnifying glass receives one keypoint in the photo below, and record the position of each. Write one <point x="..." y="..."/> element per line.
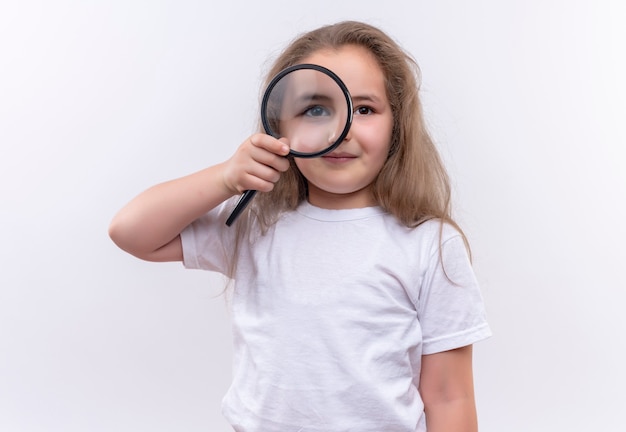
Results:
<point x="310" y="106"/>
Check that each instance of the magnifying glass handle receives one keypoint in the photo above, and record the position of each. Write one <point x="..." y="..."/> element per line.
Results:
<point x="245" y="199"/>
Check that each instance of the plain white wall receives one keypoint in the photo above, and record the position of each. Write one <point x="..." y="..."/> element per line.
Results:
<point x="99" y="100"/>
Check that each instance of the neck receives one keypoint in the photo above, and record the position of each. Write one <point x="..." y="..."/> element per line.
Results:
<point x="334" y="201"/>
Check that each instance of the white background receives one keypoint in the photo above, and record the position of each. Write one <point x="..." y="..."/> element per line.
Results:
<point x="101" y="99"/>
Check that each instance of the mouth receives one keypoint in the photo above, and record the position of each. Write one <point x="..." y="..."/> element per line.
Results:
<point x="338" y="157"/>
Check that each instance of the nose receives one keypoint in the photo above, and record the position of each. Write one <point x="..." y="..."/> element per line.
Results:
<point x="332" y="138"/>
<point x="348" y="136"/>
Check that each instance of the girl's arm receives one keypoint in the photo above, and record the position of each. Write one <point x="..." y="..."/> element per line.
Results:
<point x="447" y="389"/>
<point x="148" y="227"/>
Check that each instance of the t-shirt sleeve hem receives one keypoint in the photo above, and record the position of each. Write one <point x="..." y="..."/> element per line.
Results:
<point x="457" y="340"/>
<point x="188" y="241"/>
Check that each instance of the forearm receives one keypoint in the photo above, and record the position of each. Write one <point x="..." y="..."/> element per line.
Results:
<point x="157" y="216"/>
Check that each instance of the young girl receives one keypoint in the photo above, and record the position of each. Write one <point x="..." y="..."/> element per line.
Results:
<point x="354" y="303"/>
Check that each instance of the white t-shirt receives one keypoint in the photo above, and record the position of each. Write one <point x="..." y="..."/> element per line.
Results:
<point x="332" y="311"/>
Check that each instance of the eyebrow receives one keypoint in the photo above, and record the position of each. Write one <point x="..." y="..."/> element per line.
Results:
<point x="312" y="97"/>
<point x="366" y="98"/>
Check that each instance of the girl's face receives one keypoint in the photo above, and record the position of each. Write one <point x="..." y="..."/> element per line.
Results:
<point x="341" y="179"/>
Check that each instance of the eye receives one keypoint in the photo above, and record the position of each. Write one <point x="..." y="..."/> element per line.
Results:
<point x="364" y="110"/>
<point x="316" y="111"/>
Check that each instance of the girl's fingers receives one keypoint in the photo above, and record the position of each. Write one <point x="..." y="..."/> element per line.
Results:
<point x="279" y="147"/>
<point x="262" y="179"/>
<point x="257" y="164"/>
<point x="265" y="157"/>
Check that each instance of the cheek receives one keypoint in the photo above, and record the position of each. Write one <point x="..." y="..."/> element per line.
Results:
<point x="306" y="166"/>
<point x="377" y="142"/>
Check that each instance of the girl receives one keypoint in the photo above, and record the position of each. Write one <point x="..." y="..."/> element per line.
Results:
<point x="354" y="305"/>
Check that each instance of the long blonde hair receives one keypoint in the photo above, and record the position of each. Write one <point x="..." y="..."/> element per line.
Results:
<point x="413" y="184"/>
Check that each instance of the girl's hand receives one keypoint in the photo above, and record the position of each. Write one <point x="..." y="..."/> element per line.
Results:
<point x="256" y="165"/>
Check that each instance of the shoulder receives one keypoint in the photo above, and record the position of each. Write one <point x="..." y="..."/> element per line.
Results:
<point x="432" y="233"/>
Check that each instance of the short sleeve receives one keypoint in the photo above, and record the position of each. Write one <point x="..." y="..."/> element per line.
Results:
<point x="450" y="307"/>
<point x="208" y="243"/>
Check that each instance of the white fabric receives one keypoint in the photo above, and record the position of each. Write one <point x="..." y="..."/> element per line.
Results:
<point x="332" y="311"/>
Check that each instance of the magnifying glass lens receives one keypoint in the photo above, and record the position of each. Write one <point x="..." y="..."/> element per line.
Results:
<point x="309" y="108"/>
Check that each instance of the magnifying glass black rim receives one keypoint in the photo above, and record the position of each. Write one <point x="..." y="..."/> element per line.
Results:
<point x="331" y="74"/>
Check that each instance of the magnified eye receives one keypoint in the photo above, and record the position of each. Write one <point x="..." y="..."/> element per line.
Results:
<point x="316" y="111"/>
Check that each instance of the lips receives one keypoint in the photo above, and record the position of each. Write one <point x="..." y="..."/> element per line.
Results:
<point x="338" y="157"/>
